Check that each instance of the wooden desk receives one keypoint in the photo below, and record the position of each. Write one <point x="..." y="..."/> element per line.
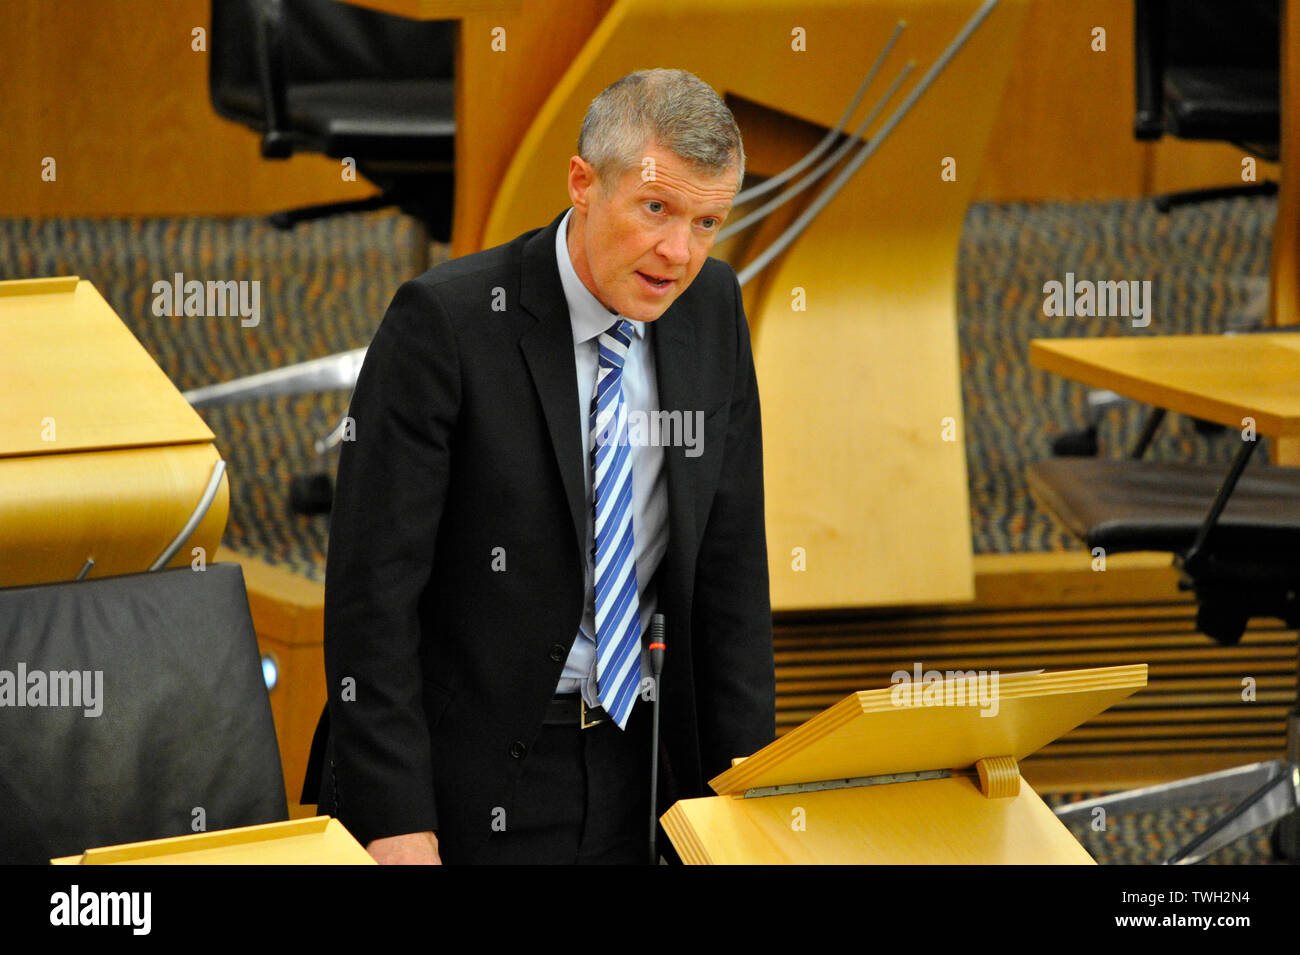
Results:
<point x="1221" y="378"/>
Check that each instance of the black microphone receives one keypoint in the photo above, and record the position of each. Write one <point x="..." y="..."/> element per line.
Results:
<point x="656" y="669"/>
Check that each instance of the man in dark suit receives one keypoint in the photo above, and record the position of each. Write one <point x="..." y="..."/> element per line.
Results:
<point x="554" y="439"/>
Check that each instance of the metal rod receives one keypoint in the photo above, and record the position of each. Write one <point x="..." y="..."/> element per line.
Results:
<point x="334" y="438"/>
<point x="823" y="167"/>
<point x="763" y="188"/>
<point x="1188" y="854"/>
<point x="798" y="226"/>
<point x="331" y="373"/>
<point x="200" y="509"/>
<point x="1149" y="428"/>
<point x="1239" y="461"/>
<point x="852" y="782"/>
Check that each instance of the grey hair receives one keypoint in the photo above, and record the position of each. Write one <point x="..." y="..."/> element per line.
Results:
<point x="672" y="108"/>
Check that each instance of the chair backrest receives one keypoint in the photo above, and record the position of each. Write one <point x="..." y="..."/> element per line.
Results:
<point x="325" y="40"/>
<point x="1210" y="38"/>
<point x="132" y="708"/>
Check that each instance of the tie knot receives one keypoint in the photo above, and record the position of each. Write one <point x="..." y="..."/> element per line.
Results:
<point x="614" y="343"/>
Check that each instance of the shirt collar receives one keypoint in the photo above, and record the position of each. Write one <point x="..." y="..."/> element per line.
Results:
<point x="587" y="316"/>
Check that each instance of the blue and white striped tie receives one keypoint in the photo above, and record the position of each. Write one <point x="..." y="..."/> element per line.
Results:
<point x="618" y="608"/>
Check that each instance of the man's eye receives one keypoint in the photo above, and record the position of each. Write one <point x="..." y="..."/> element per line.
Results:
<point x="709" y="222"/>
<point x="654" y="205"/>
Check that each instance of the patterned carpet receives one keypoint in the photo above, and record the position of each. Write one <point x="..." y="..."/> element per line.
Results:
<point x="325" y="285"/>
<point x="1149" y="838"/>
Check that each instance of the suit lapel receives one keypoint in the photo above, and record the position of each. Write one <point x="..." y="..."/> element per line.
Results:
<point x="677" y="370"/>
<point x="548" y="349"/>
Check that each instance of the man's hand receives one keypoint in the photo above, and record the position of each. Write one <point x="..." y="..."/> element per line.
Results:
<point x="413" y="848"/>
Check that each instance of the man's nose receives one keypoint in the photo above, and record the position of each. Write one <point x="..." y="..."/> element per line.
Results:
<point x="675" y="246"/>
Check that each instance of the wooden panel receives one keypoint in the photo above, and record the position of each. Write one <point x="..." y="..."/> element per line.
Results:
<point x="498" y="94"/>
<point x="1065" y="106"/>
<point x="1284" y="303"/>
<point x="1284" y="288"/>
<point x="100" y="457"/>
<point x="316" y="841"/>
<point x="1075" y="774"/>
<point x="937" y="822"/>
<point x="119" y="508"/>
<point x="440" y="9"/>
<point x="288" y="614"/>
<point x="947" y="724"/>
<point x="1068" y="104"/>
<point x="74" y="378"/>
<point x="1177" y="165"/>
<point x="125" y="113"/>
<point x="1223" y="379"/>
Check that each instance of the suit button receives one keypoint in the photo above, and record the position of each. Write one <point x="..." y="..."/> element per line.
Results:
<point x="518" y="749"/>
<point x="557" y="653"/>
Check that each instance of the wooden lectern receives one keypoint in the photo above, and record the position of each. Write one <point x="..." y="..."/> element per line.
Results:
<point x="925" y="771"/>
<point x="317" y="841"/>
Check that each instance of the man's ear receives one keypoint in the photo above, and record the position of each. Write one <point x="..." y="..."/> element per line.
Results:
<point x="582" y="179"/>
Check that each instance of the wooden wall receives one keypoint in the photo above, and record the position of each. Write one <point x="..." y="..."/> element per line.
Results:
<point x="116" y="95"/>
<point x="1065" y="129"/>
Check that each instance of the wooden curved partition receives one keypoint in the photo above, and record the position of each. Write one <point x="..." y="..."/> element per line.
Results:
<point x="867" y="498"/>
<point x="100" y="457"/>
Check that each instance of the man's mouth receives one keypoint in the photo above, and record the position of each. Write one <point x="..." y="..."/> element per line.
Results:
<point x="655" y="282"/>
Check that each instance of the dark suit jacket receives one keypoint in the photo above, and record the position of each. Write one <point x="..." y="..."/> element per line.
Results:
<point x="468" y="439"/>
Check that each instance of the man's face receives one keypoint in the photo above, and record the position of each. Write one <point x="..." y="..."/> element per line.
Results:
<point x="639" y="242"/>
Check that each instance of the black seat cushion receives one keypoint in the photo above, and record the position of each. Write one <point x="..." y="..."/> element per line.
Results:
<point x="1126" y="505"/>
<point x="1227" y="103"/>
<point x="390" y="119"/>
<point x="358" y="82"/>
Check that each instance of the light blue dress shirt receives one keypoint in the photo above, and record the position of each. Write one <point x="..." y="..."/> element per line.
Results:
<point x="649" y="486"/>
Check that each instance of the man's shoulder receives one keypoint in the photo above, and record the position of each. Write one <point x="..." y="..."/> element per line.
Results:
<point x="467" y="273"/>
<point x="716" y="274"/>
<point x="714" y="287"/>
<point x="459" y="296"/>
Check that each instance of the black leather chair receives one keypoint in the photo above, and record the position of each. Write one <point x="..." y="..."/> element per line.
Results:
<point x="1236" y="542"/>
<point x="328" y="77"/>
<point x="1208" y="70"/>
<point x="163" y="725"/>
